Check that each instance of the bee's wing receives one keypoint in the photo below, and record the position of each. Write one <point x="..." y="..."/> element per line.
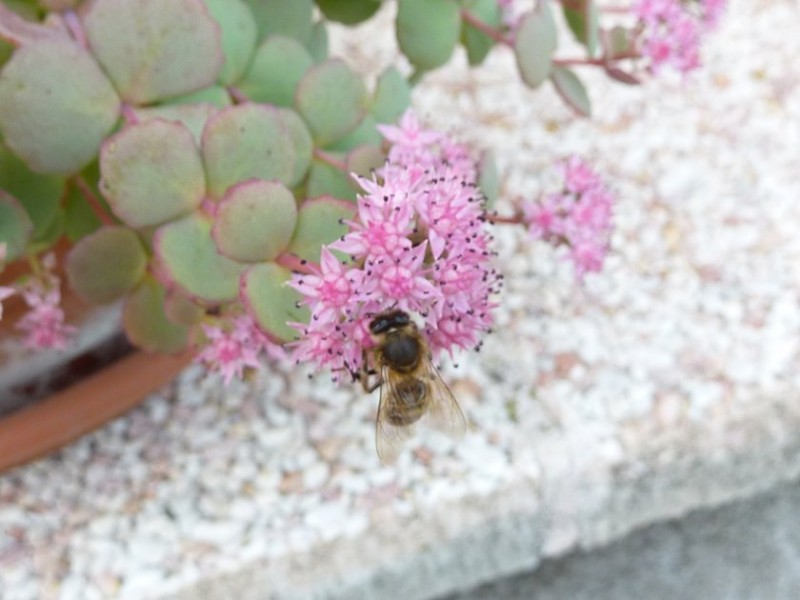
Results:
<point x="444" y="412"/>
<point x="389" y="439"/>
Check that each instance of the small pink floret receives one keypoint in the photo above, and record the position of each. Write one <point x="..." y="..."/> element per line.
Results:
<point x="579" y="216"/>
<point x="43" y="325"/>
<point x="231" y="350"/>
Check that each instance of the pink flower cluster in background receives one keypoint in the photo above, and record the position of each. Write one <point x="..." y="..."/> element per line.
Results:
<point x="418" y="243"/>
<point x="44" y="324"/>
<point x="578" y="216"/>
<point x="241" y="346"/>
<point x="671" y="30"/>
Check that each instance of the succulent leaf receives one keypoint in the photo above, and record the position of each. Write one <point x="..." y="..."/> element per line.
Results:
<point x="156" y="49"/>
<point x="428" y="31"/>
<point x="255" y="221"/>
<point x="15" y="226"/>
<point x="277" y="67"/>
<point x="477" y="43"/>
<point x="303" y="144"/>
<point x="79" y="218"/>
<point x="192" y="116"/>
<point x="319" y="222"/>
<point x="57" y="106"/>
<point x="51" y="233"/>
<point x="571" y="90"/>
<point x="286" y="17"/>
<point x="40" y="195"/>
<point x="349" y="12"/>
<point x="106" y="264"/>
<point x="21" y="26"/>
<point x="189" y="257"/>
<point x="583" y="20"/>
<point x="151" y="173"/>
<point x="365" y="133"/>
<point x="392" y="96"/>
<point x="213" y="94"/>
<point x="535" y="43"/>
<point x="146" y="324"/>
<point x="488" y="177"/>
<point x="363" y="161"/>
<point x="618" y="74"/>
<point x="327" y="180"/>
<point x="180" y="309"/>
<point x="618" y="41"/>
<point x="317" y="42"/>
<point x="239" y="36"/>
<point x="247" y="141"/>
<point x="332" y="99"/>
<point x="270" y="301"/>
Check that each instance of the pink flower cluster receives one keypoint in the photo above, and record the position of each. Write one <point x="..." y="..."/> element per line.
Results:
<point x="418" y="243"/>
<point x="241" y="346"/>
<point x="509" y="13"/>
<point x="43" y="325"/>
<point x="578" y="216"/>
<point x="671" y="30"/>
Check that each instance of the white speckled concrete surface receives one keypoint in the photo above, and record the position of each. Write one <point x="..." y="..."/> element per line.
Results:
<point x="669" y="382"/>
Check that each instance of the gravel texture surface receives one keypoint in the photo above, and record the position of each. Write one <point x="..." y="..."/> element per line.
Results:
<point x="667" y="382"/>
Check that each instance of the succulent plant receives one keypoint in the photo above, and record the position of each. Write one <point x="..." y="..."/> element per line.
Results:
<point x="194" y="152"/>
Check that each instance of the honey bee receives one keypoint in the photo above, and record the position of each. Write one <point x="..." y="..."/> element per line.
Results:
<point x="411" y="387"/>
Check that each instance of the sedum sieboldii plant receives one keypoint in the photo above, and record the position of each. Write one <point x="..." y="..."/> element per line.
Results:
<point x="209" y="165"/>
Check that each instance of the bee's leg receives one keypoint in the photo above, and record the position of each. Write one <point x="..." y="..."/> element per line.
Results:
<point x="365" y="376"/>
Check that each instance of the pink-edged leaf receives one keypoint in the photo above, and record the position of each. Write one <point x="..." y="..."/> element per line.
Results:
<point x="57" y="105"/>
<point x="146" y="324"/>
<point x="188" y="257"/>
<point x="107" y="264"/>
<point x="155" y="49"/>
<point x="15" y="226"/>
<point x="319" y="222"/>
<point x="255" y="221"/>
<point x="20" y="31"/>
<point x="270" y="301"/>
<point x="247" y="141"/>
<point x="571" y="90"/>
<point x="535" y="42"/>
<point x="152" y="173"/>
<point x="622" y="76"/>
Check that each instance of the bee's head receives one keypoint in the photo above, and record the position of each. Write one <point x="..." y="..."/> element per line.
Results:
<point x="389" y="320"/>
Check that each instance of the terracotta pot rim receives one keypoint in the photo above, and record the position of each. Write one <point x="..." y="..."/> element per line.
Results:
<point x="33" y="432"/>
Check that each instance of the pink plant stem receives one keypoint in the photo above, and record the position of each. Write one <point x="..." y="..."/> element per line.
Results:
<point x="331" y="160"/>
<point x="493" y="33"/>
<point x="597" y="62"/>
<point x="296" y="264"/>
<point x="238" y="95"/>
<point x="93" y="201"/>
<point x="128" y="114"/>
<point x="498" y="36"/>
<point x="613" y="9"/>
<point x="616" y="10"/>
<point x="517" y="219"/>
<point x="73" y="23"/>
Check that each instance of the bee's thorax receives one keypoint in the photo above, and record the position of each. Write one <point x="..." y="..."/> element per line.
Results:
<point x="401" y="351"/>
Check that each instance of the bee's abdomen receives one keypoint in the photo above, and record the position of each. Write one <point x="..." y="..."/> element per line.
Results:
<point x="410" y="396"/>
